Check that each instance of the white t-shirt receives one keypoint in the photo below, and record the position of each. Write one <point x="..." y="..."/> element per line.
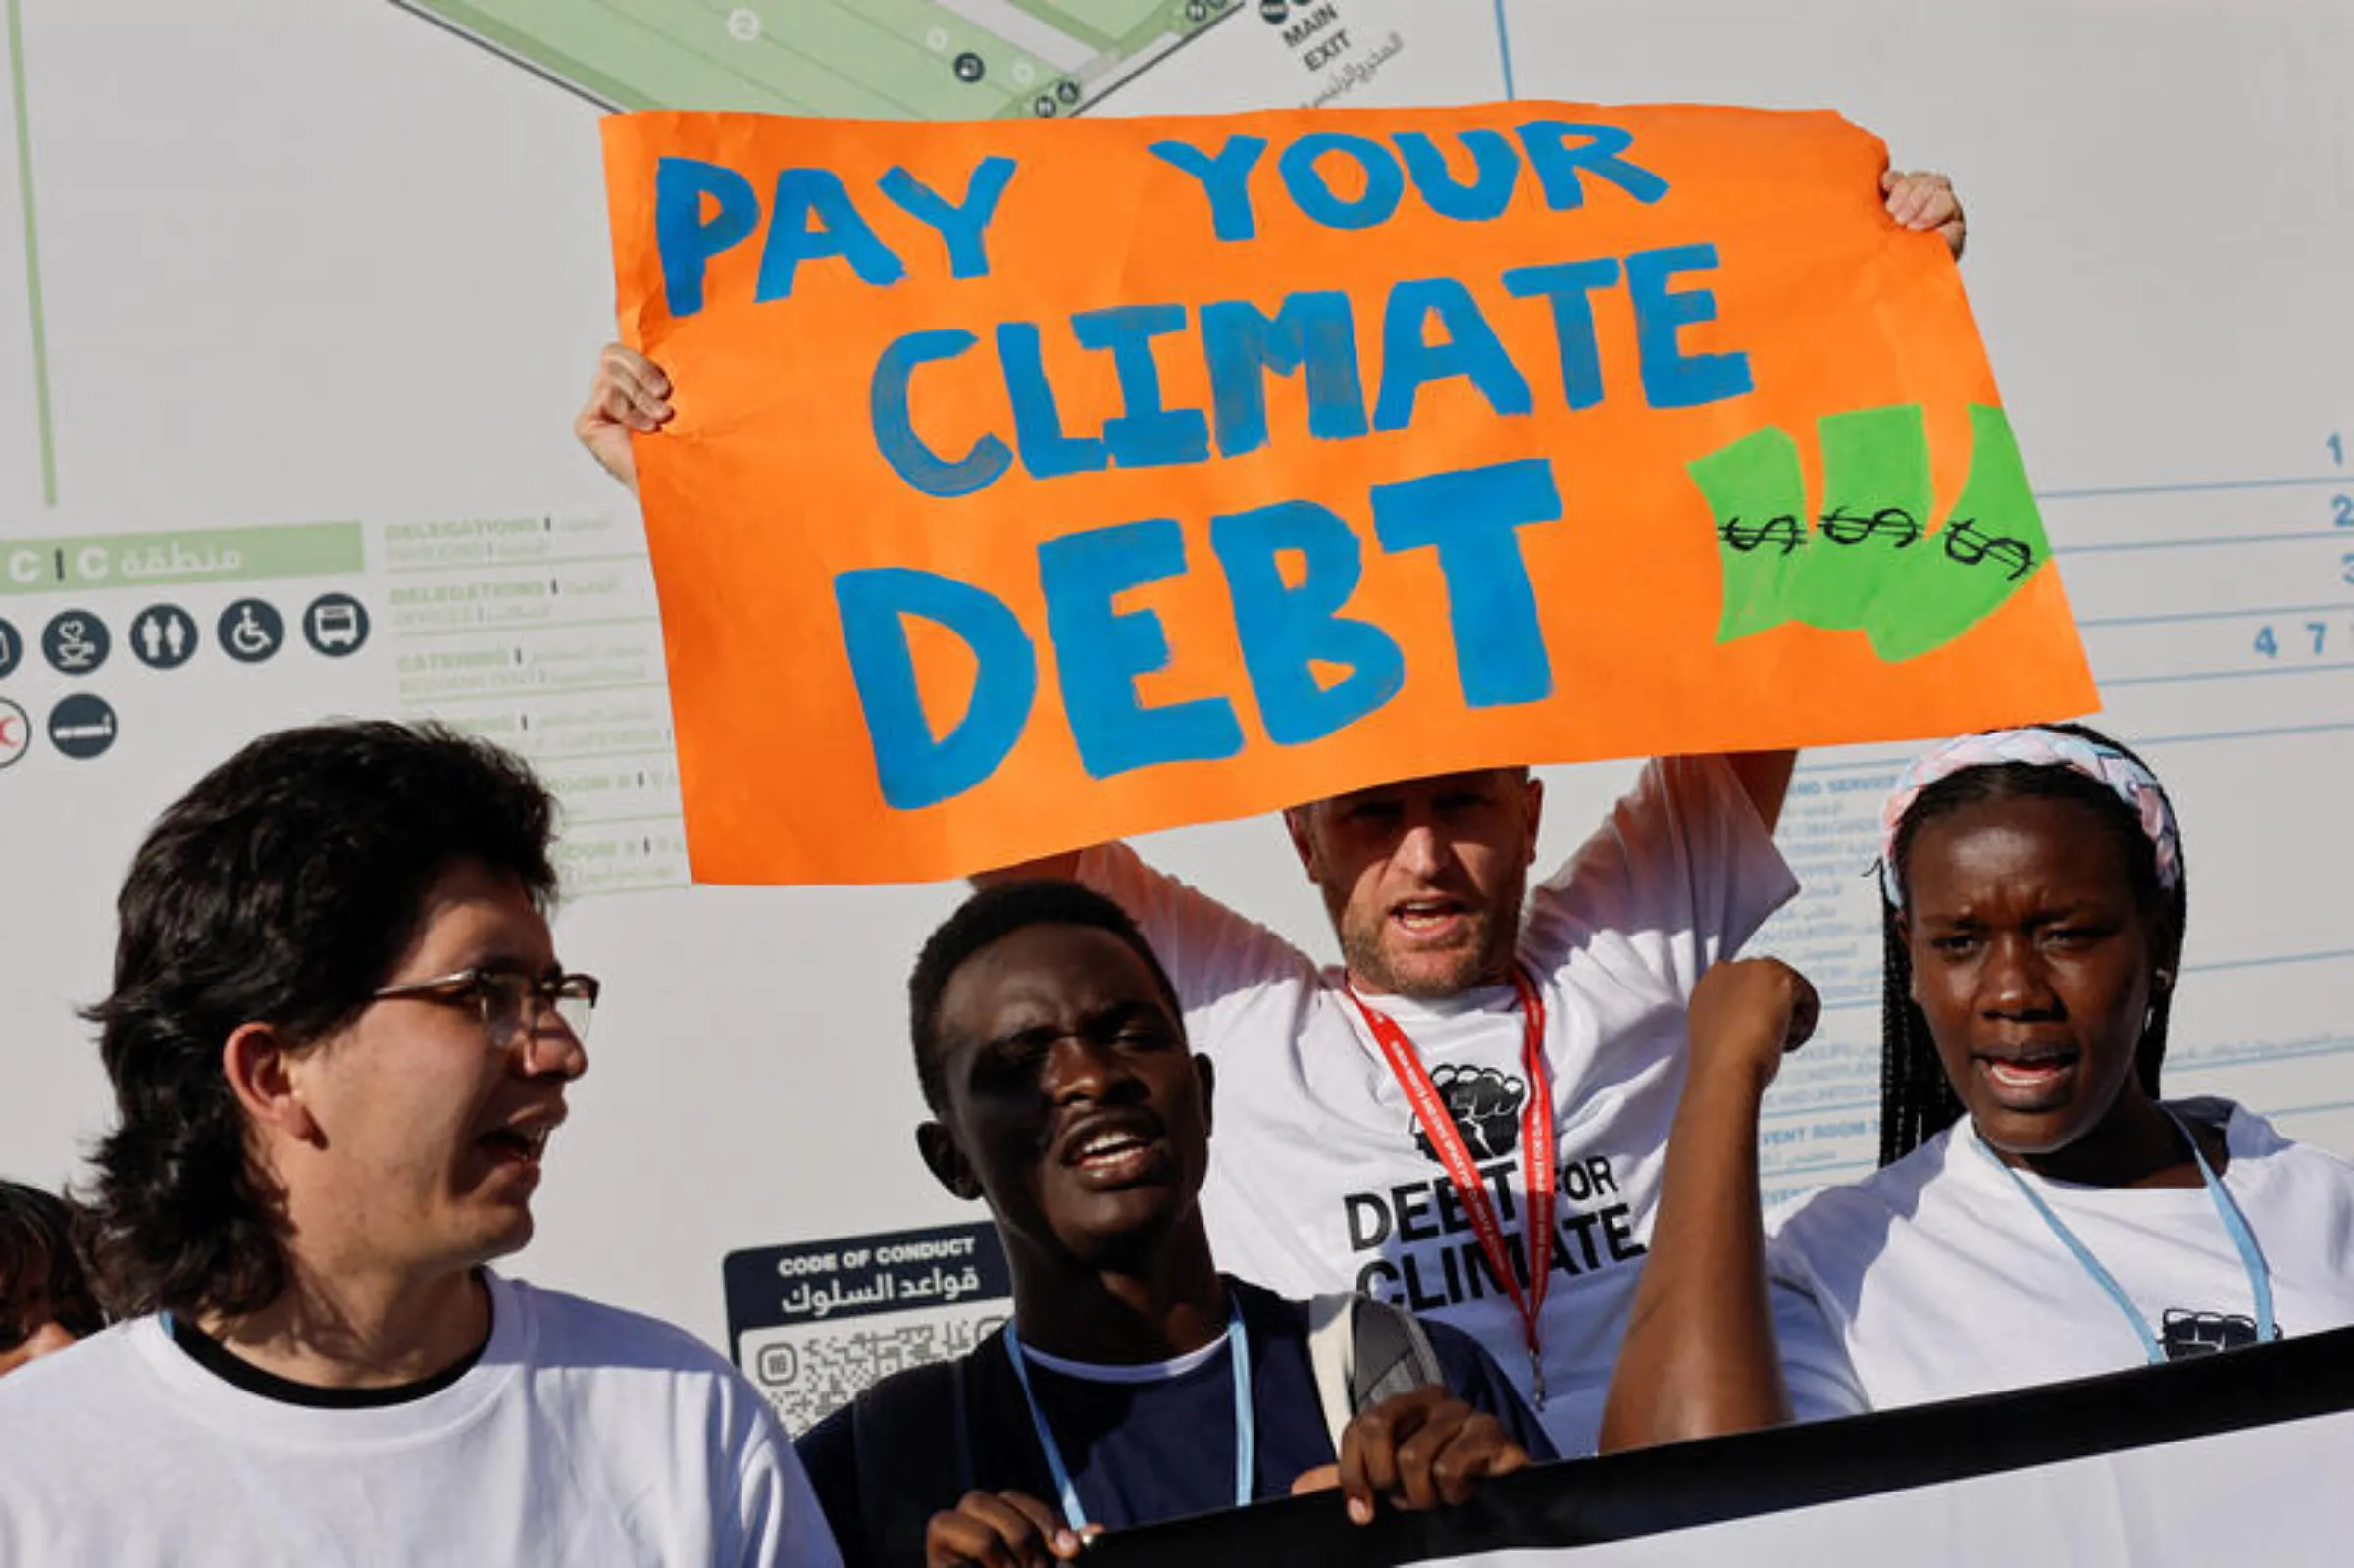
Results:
<point x="1935" y="1278"/>
<point x="1317" y="1183"/>
<point x="582" y="1435"/>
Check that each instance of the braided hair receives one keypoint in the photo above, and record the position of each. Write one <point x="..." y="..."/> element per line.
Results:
<point x="1917" y="1102"/>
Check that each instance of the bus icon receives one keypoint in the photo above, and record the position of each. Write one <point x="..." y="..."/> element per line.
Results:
<point x="335" y="624"/>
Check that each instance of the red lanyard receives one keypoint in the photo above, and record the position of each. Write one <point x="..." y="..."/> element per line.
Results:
<point x="1538" y="1176"/>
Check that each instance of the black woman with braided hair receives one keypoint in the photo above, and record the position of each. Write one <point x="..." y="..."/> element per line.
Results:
<point x="2041" y="1214"/>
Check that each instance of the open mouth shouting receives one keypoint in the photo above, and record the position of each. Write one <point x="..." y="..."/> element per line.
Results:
<point x="1436" y="919"/>
<point x="2027" y="1077"/>
<point x="1115" y="1148"/>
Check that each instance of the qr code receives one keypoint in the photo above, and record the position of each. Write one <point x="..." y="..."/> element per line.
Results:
<point x="809" y="1371"/>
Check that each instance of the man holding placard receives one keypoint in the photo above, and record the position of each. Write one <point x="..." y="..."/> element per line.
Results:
<point x="1467" y="1117"/>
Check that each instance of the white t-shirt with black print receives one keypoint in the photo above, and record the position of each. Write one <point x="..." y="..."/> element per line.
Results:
<point x="1936" y="1279"/>
<point x="1320" y="1178"/>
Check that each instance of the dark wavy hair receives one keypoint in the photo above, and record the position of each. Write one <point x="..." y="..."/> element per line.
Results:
<point x="989" y="916"/>
<point x="36" y="1242"/>
<point x="1916" y="1103"/>
<point x="282" y="890"/>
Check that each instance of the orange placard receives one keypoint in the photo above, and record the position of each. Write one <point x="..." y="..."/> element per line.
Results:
<point x="1035" y="483"/>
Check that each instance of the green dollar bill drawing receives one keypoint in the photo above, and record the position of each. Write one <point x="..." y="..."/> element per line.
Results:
<point x="1870" y="561"/>
<point x="1986" y="551"/>
<point x="1875" y="510"/>
<point x="1759" y="501"/>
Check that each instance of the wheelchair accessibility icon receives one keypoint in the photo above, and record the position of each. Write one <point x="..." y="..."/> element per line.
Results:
<point x="250" y="630"/>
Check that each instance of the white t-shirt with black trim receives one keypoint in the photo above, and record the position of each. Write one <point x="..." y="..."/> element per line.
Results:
<point x="582" y="1434"/>
<point x="1935" y="1278"/>
<point x="1319" y="1180"/>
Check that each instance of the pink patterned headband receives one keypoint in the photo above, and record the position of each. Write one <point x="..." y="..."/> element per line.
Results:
<point x="2038" y="748"/>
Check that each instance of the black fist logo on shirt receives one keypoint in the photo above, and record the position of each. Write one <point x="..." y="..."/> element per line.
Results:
<point x="1485" y="1106"/>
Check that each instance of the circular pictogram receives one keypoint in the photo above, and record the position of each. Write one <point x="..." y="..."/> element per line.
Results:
<point x="335" y="624"/>
<point x="16" y="732"/>
<point x="250" y="630"/>
<point x="76" y="642"/>
<point x="81" y="725"/>
<point x="164" y="636"/>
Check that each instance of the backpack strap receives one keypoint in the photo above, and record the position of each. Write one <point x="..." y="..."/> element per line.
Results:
<point x="1365" y="1352"/>
<point x="1394" y="1356"/>
<point x="1331" y="1353"/>
<point x="913" y="1450"/>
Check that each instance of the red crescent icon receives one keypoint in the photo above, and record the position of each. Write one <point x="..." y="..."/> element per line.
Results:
<point x="7" y="730"/>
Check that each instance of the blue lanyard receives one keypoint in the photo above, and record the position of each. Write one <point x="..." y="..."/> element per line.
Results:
<point x="2235" y="1224"/>
<point x="1245" y="1426"/>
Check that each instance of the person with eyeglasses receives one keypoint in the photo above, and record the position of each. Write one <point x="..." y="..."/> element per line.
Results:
<point x="340" y="1042"/>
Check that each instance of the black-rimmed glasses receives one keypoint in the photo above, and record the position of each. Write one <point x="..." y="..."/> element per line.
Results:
<point x="509" y="1002"/>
